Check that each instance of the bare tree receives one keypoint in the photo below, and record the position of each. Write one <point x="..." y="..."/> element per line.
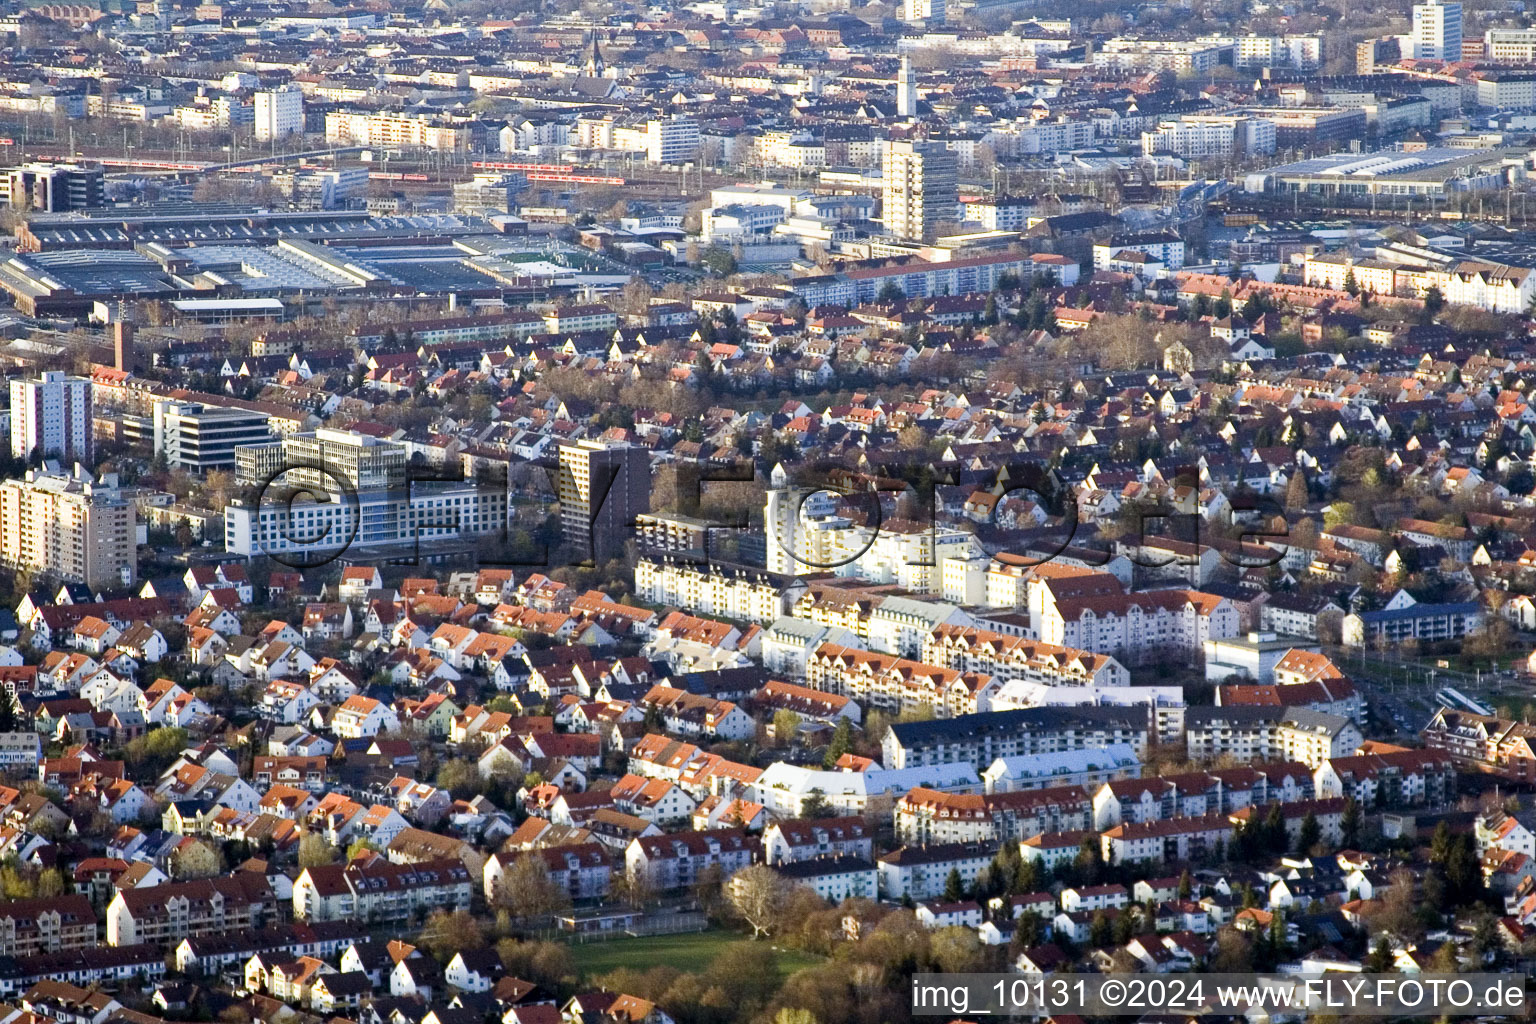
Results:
<point x="758" y="893"/>
<point x="315" y="851"/>
<point x="527" y="890"/>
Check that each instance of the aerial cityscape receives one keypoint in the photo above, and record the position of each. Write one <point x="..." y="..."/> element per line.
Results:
<point x="563" y="512"/>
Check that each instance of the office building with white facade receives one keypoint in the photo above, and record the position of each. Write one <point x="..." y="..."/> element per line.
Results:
<point x="1437" y="30"/>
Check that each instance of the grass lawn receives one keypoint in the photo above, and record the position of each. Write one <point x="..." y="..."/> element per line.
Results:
<point x="689" y="952"/>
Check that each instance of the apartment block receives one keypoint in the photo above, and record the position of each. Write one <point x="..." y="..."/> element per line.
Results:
<point x="71" y="526"/>
<point x="51" y="417"/>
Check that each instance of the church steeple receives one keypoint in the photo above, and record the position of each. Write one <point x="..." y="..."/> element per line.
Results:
<point x="595" y="60"/>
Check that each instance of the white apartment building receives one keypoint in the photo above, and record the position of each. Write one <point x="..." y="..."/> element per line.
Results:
<point x="1011" y="658"/>
<point x="1127" y="54"/>
<point x="785" y="789"/>
<point x="1513" y="91"/>
<point x="1211" y="136"/>
<point x="671" y="140"/>
<point x="1267" y="734"/>
<point x="197" y="437"/>
<point x="394" y="130"/>
<point x="279" y="112"/>
<point x="218" y="112"/>
<point x="1142" y="626"/>
<point x="930" y="816"/>
<point x="1163" y="704"/>
<point x="1496" y="287"/>
<point x="715" y="590"/>
<point x="898" y="684"/>
<point x="807" y="536"/>
<point x="1510" y="45"/>
<point x="1058" y="136"/>
<point x="1165" y="247"/>
<point x="930" y="11"/>
<point x="1305" y="53"/>
<point x="678" y="860"/>
<point x="921" y="872"/>
<point x="788" y="644"/>
<point x="1062" y="768"/>
<point x="384" y="516"/>
<point x="51" y="417"/>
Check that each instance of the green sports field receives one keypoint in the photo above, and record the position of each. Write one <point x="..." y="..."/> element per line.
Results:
<point x="690" y="952"/>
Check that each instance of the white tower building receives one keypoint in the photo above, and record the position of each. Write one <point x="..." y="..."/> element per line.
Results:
<point x="906" y="90"/>
<point x="51" y="416"/>
<point x="279" y="112"/>
<point x="1437" y="30"/>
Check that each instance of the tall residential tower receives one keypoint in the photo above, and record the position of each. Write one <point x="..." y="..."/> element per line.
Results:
<point x="602" y="488"/>
<point x="921" y="188"/>
<point x="51" y="417"/>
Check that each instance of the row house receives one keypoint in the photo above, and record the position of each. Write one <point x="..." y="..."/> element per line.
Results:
<point x="166" y="914"/>
<point x="342" y="820"/>
<point x="653" y="800"/>
<point x="1483" y="743"/>
<point x="1007" y="658"/>
<point x="898" y="684"/>
<point x="696" y="715"/>
<point x="373" y="889"/>
<point x="1143" y="627"/>
<point x="928" y="815"/>
<point x="805" y="703"/>
<point x="678" y="860"/>
<point x="1390" y="779"/>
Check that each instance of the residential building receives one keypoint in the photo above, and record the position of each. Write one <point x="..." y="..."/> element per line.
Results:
<point x="602" y="488"/>
<point x="370" y="888"/>
<point x="279" y="112"/>
<point x="920" y="187"/>
<point x="72" y="526"/>
<point x="1261" y="733"/>
<point x="165" y="914"/>
<point x="51" y="417"/>
<point x="978" y="740"/>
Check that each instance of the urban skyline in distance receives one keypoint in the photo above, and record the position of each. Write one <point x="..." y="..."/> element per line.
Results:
<point x="813" y="512"/>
